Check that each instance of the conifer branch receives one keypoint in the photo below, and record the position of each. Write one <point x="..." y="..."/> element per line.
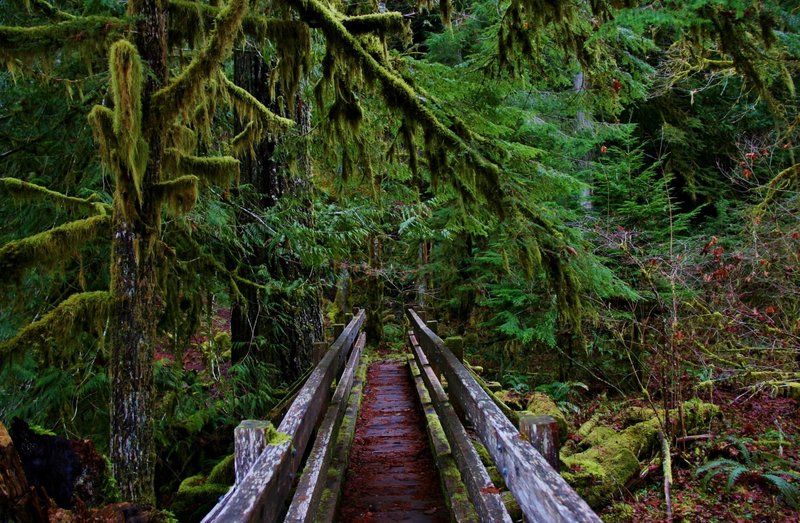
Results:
<point x="247" y="104"/>
<point x="48" y="10"/>
<point x="183" y="91"/>
<point x="24" y="191"/>
<point x="43" y="40"/>
<point x="378" y="23"/>
<point x="49" y="248"/>
<point x="61" y="321"/>
<point x="400" y="96"/>
<point x="215" y="169"/>
<point x="179" y="195"/>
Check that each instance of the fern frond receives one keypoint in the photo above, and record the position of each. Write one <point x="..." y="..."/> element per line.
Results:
<point x="790" y="491"/>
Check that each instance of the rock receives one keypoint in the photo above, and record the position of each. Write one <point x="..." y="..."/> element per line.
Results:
<point x="541" y="404"/>
<point x="68" y="470"/>
<point x="18" y="500"/>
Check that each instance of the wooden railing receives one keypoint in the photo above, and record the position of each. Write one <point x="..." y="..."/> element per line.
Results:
<point x="540" y="491"/>
<point x="268" y="460"/>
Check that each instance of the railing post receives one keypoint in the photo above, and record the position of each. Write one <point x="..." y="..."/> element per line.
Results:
<point x="250" y="438"/>
<point x="456" y="345"/>
<point x="318" y="351"/>
<point x="338" y="328"/>
<point x="433" y="325"/>
<point x="542" y="432"/>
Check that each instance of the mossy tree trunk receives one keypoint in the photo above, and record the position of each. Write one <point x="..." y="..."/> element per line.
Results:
<point x="374" y="327"/>
<point x="294" y="322"/>
<point x="132" y="329"/>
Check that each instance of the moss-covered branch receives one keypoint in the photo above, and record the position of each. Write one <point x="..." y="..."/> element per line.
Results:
<point x="179" y="195"/>
<point x="49" y="10"/>
<point x="215" y="169"/>
<point x="191" y="19"/>
<point x="61" y="321"/>
<point x="49" y="248"/>
<point x="401" y="97"/>
<point x="248" y="107"/>
<point x="379" y="23"/>
<point x="26" y="191"/>
<point x="183" y="92"/>
<point x="92" y="32"/>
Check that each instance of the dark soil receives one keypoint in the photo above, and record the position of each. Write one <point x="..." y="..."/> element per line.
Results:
<point x="392" y="475"/>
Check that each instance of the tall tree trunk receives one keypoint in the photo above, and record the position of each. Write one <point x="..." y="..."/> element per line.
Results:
<point x="134" y="314"/>
<point x="289" y="334"/>
<point x="374" y="327"/>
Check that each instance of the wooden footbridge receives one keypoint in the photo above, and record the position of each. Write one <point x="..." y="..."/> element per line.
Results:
<point x="300" y="471"/>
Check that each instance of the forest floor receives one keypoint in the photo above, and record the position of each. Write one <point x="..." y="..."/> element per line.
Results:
<point x="756" y="430"/>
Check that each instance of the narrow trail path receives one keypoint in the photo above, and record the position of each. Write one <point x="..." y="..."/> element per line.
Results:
<point x="392" y="476"/>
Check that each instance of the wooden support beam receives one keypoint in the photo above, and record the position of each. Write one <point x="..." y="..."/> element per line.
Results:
<point x="338" y="328"/>
<point x="334" y="480"/>
<point x="542" y="433"/>
<point x="488" y="503"/>
<point x="540" y="491"/>
<point x="455" y="491"/>
<point x="261" y="495"/>
<point x="303" y="508"/>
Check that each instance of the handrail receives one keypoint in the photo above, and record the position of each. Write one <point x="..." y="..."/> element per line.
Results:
<point x="261" y="494"/>
<point x="542" y="494"/>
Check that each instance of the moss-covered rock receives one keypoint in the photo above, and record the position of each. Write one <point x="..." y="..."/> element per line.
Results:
<point x="597" y="435"/>
<point x="193" y="502"/>
<point x="541" y="404"/>
<point x="223" y="472"/>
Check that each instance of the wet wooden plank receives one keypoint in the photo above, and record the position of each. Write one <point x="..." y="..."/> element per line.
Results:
<point x="261" y="495"/>
<point x="486" y="498"/>
<point x="306" y="497"/>
<point x="542" y="432"/>
<point x="541" y="492"/>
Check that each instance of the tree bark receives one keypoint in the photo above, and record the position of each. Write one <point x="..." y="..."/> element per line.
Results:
<point x="134" y="314"/>
<point x="374" y="327"/>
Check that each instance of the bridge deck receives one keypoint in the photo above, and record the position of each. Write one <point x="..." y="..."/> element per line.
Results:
<point x="392" y="476"/>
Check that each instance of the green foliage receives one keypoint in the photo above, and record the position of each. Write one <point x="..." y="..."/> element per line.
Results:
<point x="753" y="466"/>
<point x="565" y="394"/>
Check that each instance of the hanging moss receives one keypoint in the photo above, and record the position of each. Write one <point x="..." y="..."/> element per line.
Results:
<point x="219" y="170"/>
<point x="249" y="108"/>
<point x="62" y="321"/>
<point x="125" y="67"/>
<point x="179" y="195"/>
<point x="49" y="248"/>
<point x="26" y="191"/>
<point x="381" y="24"/>
<point x="48" y="10"/>
<point x="89" y="34"/>
<point x="346" y="52"/>
<point x="184" y="91"/>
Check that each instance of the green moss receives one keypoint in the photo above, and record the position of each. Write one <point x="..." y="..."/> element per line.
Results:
<point x="276" y="438"/>
<point x="26" y="191"/>
<point x="512" y="506"/>
<point x="223" y="472"/>
<point x="184" y="91"/>
<point x="191" y="481"/>
<point x="49" y="248"/>
<point x="88" y="34"/>
<point x="486" y="458"/>
<point x="541" y="404"/>
<point x="599" y="472"/>
<point x="619" y="513"/>
<point x="125" y="68"/>
<point x="192" y="502"/>
<point x="62" y="321"/>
